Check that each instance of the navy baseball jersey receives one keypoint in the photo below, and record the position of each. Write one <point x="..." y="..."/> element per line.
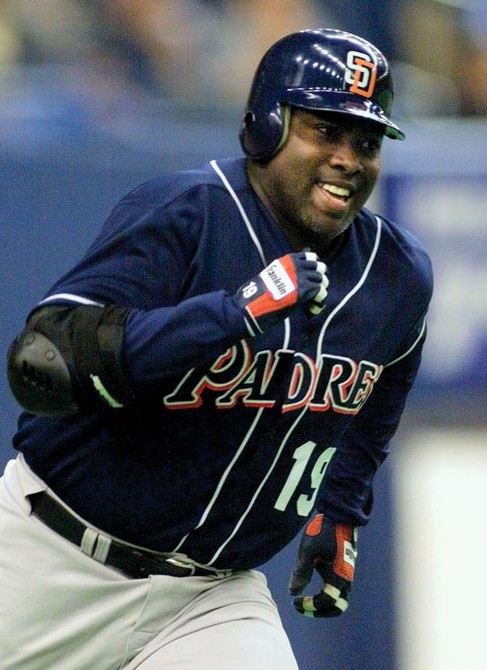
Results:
<point x="234" y="440"/>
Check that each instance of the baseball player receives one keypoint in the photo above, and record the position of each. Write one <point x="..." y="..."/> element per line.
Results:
<point x="222" y="370"/>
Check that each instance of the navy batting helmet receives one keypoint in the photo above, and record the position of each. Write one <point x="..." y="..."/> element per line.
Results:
<point x="328" y="70"/>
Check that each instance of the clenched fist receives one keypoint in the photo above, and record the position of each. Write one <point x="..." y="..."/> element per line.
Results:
<point x="330" y="549"/>
<point x="269" y="297"/>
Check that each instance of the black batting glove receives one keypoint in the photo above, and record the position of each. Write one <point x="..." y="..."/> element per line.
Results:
<point x="330" y="549"/>
<point x="269" y="297"/>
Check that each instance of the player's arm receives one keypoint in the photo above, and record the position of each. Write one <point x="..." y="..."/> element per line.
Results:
<point x="329" y="541"/>
<point x="80" y="358"/>
<point x="347" y="494"/>
<point x="170" y="341"/>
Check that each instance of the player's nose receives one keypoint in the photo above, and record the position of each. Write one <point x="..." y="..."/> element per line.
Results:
<point x="345" y="156"/>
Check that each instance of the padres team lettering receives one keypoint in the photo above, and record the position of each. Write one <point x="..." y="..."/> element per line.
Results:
<point x="332" y="383"/>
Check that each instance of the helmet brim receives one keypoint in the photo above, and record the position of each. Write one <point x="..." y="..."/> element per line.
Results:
<point x="342" y="102"/>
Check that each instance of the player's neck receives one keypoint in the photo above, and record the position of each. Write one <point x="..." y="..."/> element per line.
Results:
<point x="302" y="238"/>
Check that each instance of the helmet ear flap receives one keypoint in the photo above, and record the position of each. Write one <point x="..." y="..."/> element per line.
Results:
<point x="262" y="137"/>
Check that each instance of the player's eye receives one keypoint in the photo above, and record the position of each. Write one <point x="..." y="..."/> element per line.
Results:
<point x="369" y="144"/>
<point x="330" y="130"/>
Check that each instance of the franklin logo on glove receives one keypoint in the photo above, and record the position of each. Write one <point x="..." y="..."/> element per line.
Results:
<point x="277" y="280"/>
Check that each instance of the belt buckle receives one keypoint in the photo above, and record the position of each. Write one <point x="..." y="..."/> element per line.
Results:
<point x="182" y="564"/>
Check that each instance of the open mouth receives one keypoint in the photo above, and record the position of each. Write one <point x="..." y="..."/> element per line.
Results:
<point x="339" y="192"/>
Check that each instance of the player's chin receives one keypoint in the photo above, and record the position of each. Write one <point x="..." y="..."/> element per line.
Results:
<point x="330" y="226"/>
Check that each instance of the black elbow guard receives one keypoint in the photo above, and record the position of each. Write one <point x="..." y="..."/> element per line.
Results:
<point x="39" y="377"/>
<point x="69" y="359"/>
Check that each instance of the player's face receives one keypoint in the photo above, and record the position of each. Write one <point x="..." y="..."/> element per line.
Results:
<point x="323" y="175"/>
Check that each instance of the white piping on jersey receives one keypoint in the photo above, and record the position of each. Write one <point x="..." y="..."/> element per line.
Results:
<point x="243" y="214"/>
<point x="413" y="346"/>
<point x="287" y="333"/>
<point x="73" y="298"/>
<point x="258" y="489"/>
<point x="357" y="286"/>
<point x="224" y="477"/>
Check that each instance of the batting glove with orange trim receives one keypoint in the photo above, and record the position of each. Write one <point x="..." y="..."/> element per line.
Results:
<point x="270" y="296"/>
<point x="330" y="549"/>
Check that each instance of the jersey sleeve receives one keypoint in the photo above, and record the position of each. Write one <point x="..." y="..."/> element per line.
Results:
<point x="146" y="258"/>
<point x="170" y="340"/>
<point x="347" y="494"/>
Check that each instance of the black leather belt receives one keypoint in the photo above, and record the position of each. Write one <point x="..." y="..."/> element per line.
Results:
<point x="133" y="562"/>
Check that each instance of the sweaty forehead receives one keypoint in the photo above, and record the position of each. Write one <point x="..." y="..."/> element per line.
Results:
<point x="346" y="121"/>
